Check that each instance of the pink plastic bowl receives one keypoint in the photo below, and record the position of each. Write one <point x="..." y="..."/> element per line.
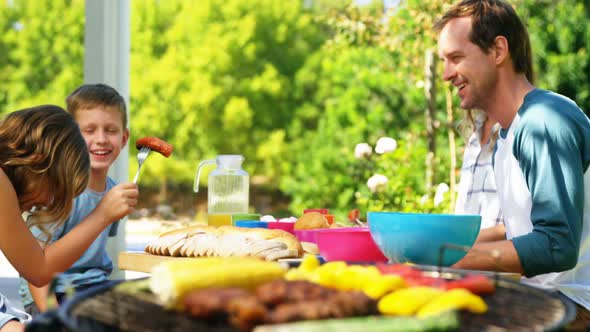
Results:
<point x="351" y="244"/>
<point x="286" y="226"/>
<point x="306" y="235"/>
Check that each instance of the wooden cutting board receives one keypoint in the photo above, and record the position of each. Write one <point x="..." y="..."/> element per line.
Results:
<point x="142" y="261"/>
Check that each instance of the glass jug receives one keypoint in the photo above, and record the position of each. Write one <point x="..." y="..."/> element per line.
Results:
<point x="228" y="190"/>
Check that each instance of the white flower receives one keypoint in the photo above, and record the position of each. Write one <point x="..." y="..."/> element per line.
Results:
<point x="385" y="144"/>
<point x="377" y="182"/>
<point x="290" y="219"/>
<point x="267" y="218"/>
<point x="423" y="199"/>
<point x="362" y="150"/>
<point x="441" y="190"/>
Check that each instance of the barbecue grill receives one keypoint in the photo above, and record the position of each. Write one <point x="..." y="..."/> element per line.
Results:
<point x="517" y="307"/>
<point x="513" y="307"/>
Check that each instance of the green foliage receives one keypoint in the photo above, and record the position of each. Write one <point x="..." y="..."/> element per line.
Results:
<point x="291" y="85"/>
<point x="405" y="190"/>
<point x="215" y="78"/>
<point x="560" y="38"/>
<point x="42" y="52"/>
<point x="358" y="88"/>
<point x="348" y="94"/>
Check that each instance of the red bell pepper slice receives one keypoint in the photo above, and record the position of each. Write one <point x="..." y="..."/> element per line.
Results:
<point x="475" y="283"/>
<point x="403" y="270"/>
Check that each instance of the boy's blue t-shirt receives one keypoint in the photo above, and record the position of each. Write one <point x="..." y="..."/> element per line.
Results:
<point x="95" y="265"/>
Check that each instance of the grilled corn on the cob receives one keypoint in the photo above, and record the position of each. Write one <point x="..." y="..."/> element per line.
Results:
<point x="171" y="280"/>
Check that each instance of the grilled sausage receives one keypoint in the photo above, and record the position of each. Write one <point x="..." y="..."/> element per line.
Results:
<point x="282" y="291"/>
<point x="212" y="301"/>
<point x="155" y="144"/>
<point x="337" y="305"/>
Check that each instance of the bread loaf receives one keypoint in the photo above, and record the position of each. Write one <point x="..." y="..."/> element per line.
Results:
<point x="311" y="220"/>
<point x="225" y="241"/>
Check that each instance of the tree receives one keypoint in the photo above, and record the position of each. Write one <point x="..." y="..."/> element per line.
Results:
<point x="560" y="39"/>
<point x="42" y="47"/>
<point x="216" y="77"/>
<point x="291" y="85"/>
<point x="366" y="82"/>
<point x="349" y="94"/>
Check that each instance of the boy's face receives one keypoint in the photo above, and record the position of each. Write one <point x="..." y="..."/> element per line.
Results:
<point x="102" y="128"/>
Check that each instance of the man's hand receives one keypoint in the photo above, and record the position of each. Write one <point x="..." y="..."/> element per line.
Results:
<point x="496" y="233"/>
<point x="498" y="256"/>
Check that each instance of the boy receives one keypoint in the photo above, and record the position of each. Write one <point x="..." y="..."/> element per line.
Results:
<point x="101" y="115"/>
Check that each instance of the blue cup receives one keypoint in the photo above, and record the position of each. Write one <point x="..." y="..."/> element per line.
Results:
<point x="251" y="224"/>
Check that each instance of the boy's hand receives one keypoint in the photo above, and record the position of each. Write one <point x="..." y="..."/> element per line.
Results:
<point x="119" y="201"/>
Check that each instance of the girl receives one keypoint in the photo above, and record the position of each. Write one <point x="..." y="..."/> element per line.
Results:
<point x="44" y="164"/>
<point x="477" y="186"/>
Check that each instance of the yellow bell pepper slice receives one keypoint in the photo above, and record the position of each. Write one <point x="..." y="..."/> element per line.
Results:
<point x="383" y="285"/>
<point x="407" y="301"/>
<point x="454" y="299"/>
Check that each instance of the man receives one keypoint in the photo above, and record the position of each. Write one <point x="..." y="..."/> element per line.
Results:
<point x="542" y="154"/>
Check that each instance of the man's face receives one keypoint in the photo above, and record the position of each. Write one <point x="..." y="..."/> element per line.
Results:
<point x="102" y="128"/>
<point x="466" y="66"/>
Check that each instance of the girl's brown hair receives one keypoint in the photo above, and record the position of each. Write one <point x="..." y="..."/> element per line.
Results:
<point x="468" y="126"/>
<point x="42" y="146"/>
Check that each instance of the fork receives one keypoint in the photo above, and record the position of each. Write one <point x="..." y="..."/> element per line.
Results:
<point x="141" y="157"/>
<point x="360" y="223"/>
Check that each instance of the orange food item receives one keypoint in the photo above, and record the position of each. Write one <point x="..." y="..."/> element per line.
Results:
<point x="155" y="144"/>
<point x="311" y="220"/>
<point x="329" y="219"/>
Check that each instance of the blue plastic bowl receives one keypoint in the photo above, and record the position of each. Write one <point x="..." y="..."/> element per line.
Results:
<point x="418" y="238"/>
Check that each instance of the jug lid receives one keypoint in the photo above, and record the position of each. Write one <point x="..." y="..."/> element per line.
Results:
<point x="230" y="161"/>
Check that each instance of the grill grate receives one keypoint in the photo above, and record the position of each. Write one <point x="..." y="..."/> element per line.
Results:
<point x="513" y="307"/>
<point x="115" y="311"/>
<point x="517" y="307"/>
